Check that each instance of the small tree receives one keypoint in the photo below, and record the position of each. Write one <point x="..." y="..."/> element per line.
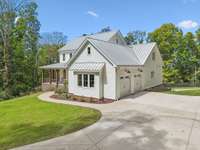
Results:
<point x="106" y="29"/>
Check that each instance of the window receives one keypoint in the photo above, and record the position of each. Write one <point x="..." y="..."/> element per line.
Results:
<point x="117" y="41"/>
<point x="152" y="74"/>
<point x="70" y="55"/>
<point x="85" y="80"/>
<point x="63" y="55"/>
<point x="88" y="51"/>
<point x="153" y="56"/>
<point x="91" y="80"/>
<point x="127" y="77"/>
<point x="79" y="80"/>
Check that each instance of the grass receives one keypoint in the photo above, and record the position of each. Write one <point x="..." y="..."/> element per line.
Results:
<point x="190" y="91"/>
<point x="27" y="120"/>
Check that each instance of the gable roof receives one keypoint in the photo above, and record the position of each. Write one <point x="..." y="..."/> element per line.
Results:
<point x="118" y="54"/>
<point x="143" y="51"/>
<point x="74" y="44"/>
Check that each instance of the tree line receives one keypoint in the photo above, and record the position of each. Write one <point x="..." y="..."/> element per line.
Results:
<point x="23" y="49"/>
<point x="180" y="52"/>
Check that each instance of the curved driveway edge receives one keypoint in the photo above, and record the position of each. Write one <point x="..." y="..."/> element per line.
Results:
<point x="146" y="121"/>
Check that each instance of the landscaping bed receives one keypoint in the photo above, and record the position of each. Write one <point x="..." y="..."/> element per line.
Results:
<point x="83" y="99"/>
<point x="27" y="120"/>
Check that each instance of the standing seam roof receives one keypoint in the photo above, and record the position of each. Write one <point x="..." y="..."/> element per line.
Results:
<point x="118" y="54"/>
<point x="74" y="44"/>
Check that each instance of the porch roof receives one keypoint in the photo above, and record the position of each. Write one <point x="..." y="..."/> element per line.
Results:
<point x="55" y="66"/>
<point x="87" y="67"/>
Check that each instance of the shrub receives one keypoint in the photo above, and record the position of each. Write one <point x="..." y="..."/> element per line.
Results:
<point x="61" y="92"/>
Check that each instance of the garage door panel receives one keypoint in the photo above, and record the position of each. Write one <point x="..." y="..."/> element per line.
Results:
<point x="125" y="86"/>
<point x="137" y="84"/>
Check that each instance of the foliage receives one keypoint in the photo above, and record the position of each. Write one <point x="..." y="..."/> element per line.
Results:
<point x="106" y="29"/>
<point x="29" y="117"/>
<point x="54" y="38"/>
<point x="19" y="33"/>
<point x="136" y="37"/>
<point x="169" y="39"/>
<point x="180" y="53"/>
<point x="62" y="92"/>
<point x="49" y="46"/>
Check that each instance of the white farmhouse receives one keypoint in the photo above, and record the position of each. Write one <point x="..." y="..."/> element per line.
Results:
<point x="102" y="66"/>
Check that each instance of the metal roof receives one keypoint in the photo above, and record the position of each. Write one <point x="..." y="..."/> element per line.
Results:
<point x="142" y="51"/>
<point x="117" y="54"/>
<point x="55" y="66"/>
<point x="87" y="67"/>
<point x="74" y="44"/>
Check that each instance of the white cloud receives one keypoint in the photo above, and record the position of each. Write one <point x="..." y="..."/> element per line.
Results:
<point x="188" y="24"/>
<point x="92" y="13"/>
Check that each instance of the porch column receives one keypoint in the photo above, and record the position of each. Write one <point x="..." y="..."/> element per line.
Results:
<point x="64" y="74"/>
<point x="57" y="77"/>
<point x="50" y="75"/>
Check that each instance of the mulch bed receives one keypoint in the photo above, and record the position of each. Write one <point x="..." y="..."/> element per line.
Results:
<point x="103" y="101"/>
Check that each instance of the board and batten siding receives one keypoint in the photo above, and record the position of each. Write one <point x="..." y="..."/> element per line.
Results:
<point x="105" y="84"/>
<point x="155" y="66"/>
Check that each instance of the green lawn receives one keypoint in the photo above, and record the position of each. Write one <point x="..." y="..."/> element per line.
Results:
<point x="27" y="120"/>
<point x="191" y="91"/>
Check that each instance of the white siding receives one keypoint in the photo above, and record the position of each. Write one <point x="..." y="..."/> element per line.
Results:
<point x="104" y="85"/>
<point x="67" y="57"/>
<point x="84" y="91"/>
<point x="155" y="66"/>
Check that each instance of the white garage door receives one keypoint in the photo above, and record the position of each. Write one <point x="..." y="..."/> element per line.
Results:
<point x="125" y="86"/>
<point x="137" y="84"/>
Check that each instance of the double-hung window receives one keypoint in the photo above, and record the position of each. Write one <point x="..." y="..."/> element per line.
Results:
<point x="91" y="80"/>
<point x="85" y="80"/>
<point x="79" y="79"/>
<point x="152" y="74"/>
<point x="63" y="55"/>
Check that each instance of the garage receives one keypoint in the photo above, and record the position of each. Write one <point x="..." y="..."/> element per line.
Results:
<point x="125" y="86"/>
<point x="137" y="83"/>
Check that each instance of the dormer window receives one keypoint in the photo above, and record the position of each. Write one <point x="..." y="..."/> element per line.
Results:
<point x="88" y="51"/>
<point x="63" y="55"/>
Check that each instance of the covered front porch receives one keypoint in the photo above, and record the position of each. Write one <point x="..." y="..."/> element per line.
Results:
<point x="53" y="76"/>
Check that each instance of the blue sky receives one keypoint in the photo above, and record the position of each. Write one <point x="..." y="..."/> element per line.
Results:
<point x="75" y="17"/>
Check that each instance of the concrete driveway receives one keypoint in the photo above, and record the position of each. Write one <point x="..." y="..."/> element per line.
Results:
<point x="145" y="121"/>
